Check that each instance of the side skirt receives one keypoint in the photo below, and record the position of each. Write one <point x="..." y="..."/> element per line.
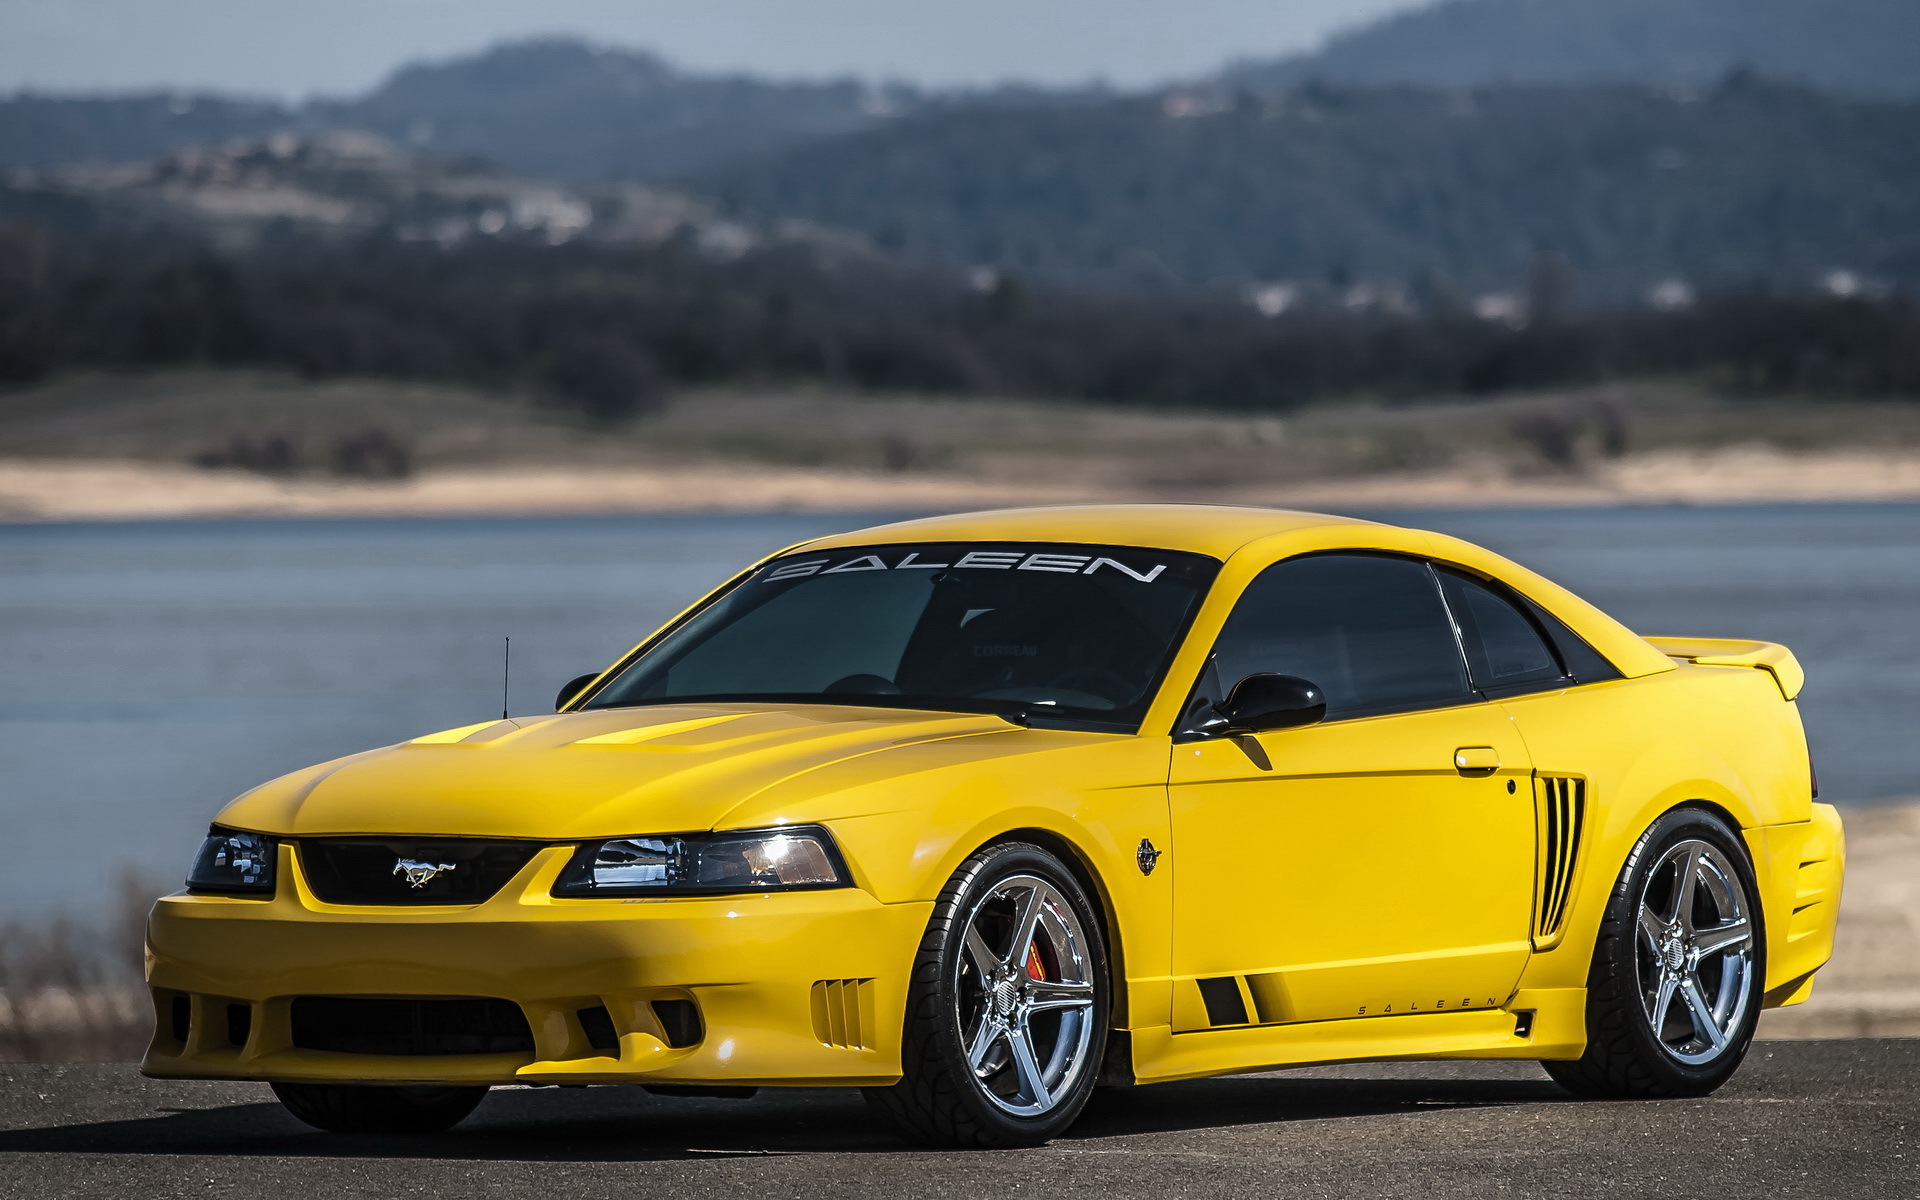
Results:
<point x="1544" y="1023"/>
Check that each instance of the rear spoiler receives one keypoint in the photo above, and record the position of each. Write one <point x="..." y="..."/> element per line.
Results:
<point x="1776" y="660"/>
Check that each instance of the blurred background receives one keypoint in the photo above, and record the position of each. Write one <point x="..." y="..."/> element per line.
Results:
<point x="341" y="341"/>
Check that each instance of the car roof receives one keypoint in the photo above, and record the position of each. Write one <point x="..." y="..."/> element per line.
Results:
<point x="1220" y="530"/>
<point x="1213" y="529"/>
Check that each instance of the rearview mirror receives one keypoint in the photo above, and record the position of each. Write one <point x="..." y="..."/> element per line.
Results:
<point x="1272" y="702"/>
<point x="573" y="688"/>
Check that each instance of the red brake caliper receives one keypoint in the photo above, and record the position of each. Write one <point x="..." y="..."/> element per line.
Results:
<point x="1035" y="968"/>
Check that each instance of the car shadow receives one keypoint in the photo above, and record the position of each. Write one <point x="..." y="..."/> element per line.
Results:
<point x="623" y="1124"/>
<point x="1277" y="1099"/>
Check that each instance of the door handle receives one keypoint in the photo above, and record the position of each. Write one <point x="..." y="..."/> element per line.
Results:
<point x="1476" y="760"/>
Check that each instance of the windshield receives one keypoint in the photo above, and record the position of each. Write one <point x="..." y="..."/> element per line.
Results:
<point x="1042" y="632"/>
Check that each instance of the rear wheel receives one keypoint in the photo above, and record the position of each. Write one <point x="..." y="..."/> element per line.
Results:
<point x="1007" y="1008"/>
<point x="1674" y="993"/>
<point x="356" y="1108"/>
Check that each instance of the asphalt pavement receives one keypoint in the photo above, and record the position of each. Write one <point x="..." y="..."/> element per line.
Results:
<point x="1835" y="1119"/>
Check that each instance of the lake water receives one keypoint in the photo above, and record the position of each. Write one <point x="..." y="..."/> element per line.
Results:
<point x="149" y="672"/>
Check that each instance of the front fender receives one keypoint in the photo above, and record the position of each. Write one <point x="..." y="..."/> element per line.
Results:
<point x="1097" y="796"/>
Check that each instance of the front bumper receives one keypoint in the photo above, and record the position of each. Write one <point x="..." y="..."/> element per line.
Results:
<point x="792" y="988"/>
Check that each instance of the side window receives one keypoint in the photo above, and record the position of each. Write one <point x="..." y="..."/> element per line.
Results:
<point x="1506" y="651"/>
<point x="1370" y="630"/>
<point x="1583" y="662"/>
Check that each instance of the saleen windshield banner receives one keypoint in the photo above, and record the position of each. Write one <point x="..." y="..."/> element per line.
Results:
<point x="1141" y="566"/>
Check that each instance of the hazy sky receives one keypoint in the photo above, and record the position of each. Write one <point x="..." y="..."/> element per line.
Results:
<point x="298" y="47"/>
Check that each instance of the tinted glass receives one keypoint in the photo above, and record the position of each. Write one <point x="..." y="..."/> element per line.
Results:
<point x="1504" y="648"/>
<point x="1074" y="633"/>
<point x="1370" y="630"/>
<point x="1583" y="662"/>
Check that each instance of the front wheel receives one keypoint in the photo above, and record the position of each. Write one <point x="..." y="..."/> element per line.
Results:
<point x="1673" y="996"/>
<point x="357" y="1108"/>
<point x="1006" y="1009"/>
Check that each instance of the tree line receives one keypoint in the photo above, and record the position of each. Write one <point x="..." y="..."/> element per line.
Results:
<point x="1749" y="180"/>
<point x="606" y="331"/>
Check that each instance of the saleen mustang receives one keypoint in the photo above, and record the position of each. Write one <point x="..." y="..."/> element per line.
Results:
<point x="979" y="812"/>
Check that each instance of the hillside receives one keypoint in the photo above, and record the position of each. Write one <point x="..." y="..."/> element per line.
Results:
<point x="563" y="109"/>
<point x="556" y="108"/>
<point x="1859" y="46"/>
<point x="336" y="256"/>
<point x="340" y="185"/>
<point x="1403" y="191"/>
<point x="42" y="131"/>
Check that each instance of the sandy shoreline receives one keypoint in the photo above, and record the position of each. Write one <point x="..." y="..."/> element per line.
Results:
<point x="109" y="489"/>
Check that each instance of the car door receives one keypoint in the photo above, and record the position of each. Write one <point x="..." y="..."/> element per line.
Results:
<point x="1536" y="667"/>
<point x="1379" y="862"/>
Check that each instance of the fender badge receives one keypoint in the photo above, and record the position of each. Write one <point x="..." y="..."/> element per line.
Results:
<point x="420" y="874"/>
<point x="1147" y="857"/>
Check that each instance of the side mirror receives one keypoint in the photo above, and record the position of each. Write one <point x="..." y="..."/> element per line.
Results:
<point x="573" y="688"/>
<point x="1272" y="702"/>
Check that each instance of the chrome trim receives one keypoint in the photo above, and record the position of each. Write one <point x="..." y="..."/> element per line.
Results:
<point x="1025" y="1013"/>
<point x="1693" y="951"/>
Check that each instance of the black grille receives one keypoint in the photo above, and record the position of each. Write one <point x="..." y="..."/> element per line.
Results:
<point x="597" y="1024"/>
<point x="239" y="1024"/>
<point x="375" y="870"/>
<point x="461" y="1026"/>
<point x="680" y="1020"/>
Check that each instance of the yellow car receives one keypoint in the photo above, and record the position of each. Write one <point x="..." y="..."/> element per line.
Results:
<point x="980" y="812"/>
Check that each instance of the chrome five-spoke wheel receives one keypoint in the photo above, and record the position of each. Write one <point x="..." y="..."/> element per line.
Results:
<point x="1674" y="989"/>
<point x="1007" y="1009"/>
<point x="1025" y="996"/>
<point x="1695" y="952"/>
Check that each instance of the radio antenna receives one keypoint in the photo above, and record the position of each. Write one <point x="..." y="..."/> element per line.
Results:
<point x="506" y="673"/>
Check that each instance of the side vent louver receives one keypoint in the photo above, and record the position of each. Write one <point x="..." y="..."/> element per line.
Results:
<point x="843" y="1012"/>
<point x="1223" y="1000"/>
<point x="1562" y="806"/>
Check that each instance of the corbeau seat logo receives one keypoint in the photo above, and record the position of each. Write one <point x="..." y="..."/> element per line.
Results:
<point x="990" y="560"/>
<point x="999" y="651"/>
<point x="420" y="874"/>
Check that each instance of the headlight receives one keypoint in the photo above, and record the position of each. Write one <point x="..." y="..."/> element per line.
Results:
<point x="230" y="861"/>
<point x="764" y="860"/>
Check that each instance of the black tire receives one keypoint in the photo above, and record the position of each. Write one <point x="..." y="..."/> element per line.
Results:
<point x="1626" y="1057"/>
<point x="357" y="1108"/>
<point x="954" y="1006"/>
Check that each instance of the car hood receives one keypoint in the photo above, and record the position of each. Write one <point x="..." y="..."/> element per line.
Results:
<point x="678" y="768"/>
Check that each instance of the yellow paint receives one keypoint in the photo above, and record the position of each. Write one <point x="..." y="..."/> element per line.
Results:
<point x="1366" y="888"/>
<point x="450" y="737"/>
<point x="1775" y="660"/>
<point x="1354" y="865"/>
<point x="657" y="733"/>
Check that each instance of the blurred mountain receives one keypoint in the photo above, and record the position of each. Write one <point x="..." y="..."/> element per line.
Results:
<point x="336" y="254"/>
<point x="563" y="109"/>
<point x="1384" y="194"/>
<point x="291" y="190"/>
<point x="1381" y="188"/>
<point x="556" y="108"/>
<point x="42" y="131"/>
<point x="1860" y="46"/>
